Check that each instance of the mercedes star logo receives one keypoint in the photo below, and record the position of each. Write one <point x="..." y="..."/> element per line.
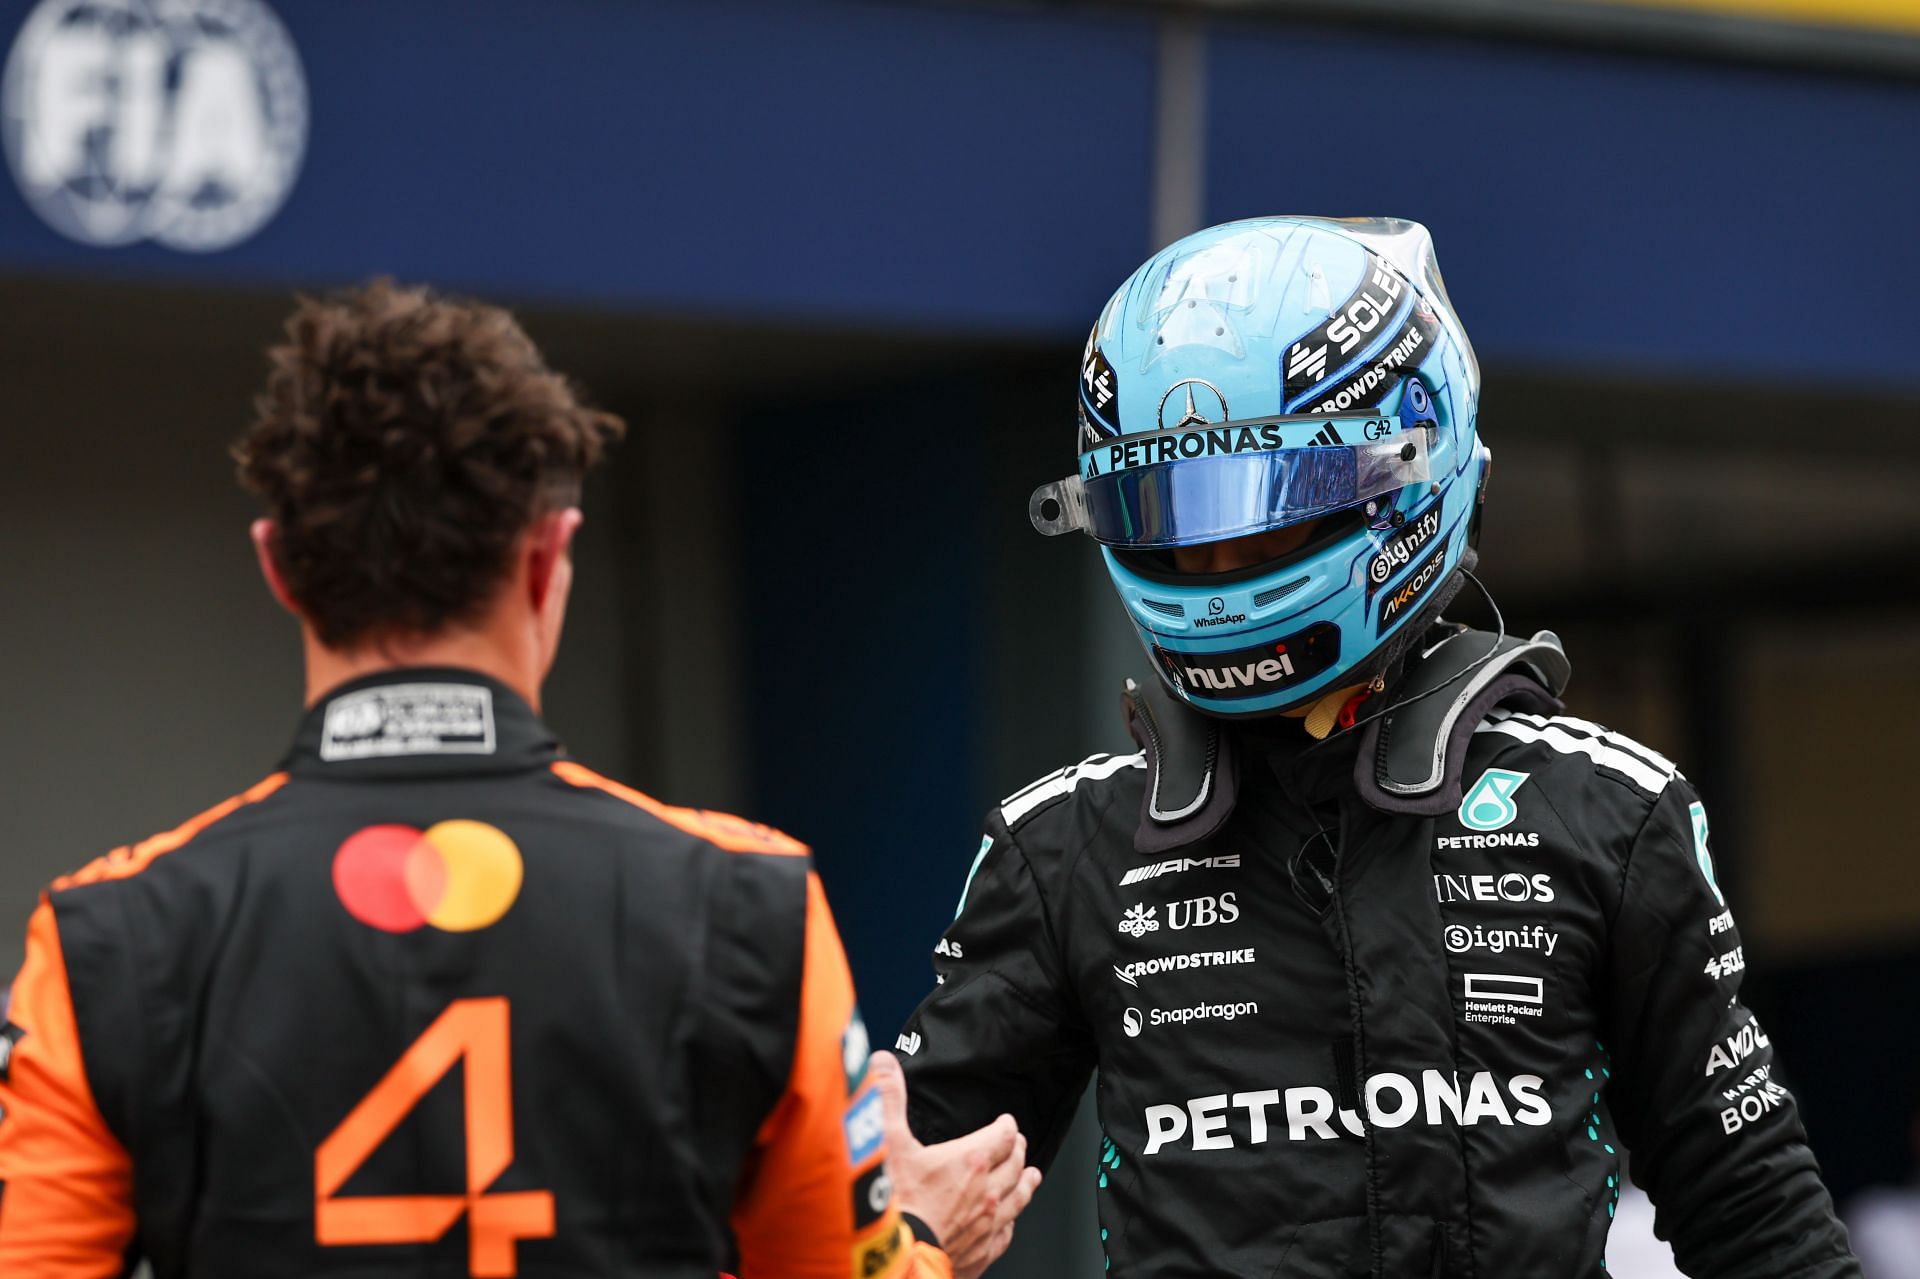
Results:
<point x="1193" y="416"/>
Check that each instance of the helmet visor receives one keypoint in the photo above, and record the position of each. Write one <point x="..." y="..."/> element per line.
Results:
<point x="1181" y="487"/>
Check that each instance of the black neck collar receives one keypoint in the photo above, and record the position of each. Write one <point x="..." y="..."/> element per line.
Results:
<point x="420" y="721"/>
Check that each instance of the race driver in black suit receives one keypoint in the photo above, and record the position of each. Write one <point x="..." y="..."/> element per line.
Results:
<point x="432" y="998"/>
<point x="1379" y="961"/>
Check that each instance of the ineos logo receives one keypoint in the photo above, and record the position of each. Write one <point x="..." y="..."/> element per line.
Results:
<point x="179" y="121"/>
<point x="1511" y="887"/>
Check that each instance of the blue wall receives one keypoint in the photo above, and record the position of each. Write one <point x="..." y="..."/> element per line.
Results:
<point x="1596" y="209"/>
<point x="941" y="167"/>
<point x="988" y="170"/>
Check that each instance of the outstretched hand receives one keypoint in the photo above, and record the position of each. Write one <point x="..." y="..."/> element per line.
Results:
<point x="968" y="1190"/>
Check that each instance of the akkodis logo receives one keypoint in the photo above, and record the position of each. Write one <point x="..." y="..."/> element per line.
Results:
<point x="1489" y="805"/>
<point x="458" y="876"/>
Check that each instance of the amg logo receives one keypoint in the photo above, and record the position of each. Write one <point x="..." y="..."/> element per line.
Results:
<point x="1225" y="861"/>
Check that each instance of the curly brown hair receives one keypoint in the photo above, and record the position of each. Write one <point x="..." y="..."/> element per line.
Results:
<point x="404" y="442"/>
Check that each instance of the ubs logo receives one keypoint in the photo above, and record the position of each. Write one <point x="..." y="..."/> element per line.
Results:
<point x="178" y="121"/>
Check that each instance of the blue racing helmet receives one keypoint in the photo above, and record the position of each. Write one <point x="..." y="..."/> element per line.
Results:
<point x="1265" y="374"/>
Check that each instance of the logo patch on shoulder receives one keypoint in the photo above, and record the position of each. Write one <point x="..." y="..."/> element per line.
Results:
<point x="409" y="719"/>
<point x="866" y="1128"/>
<point x="875" y="1256"/>
<point x="1698" y="812"/>
<point x="854" y="1051"/>
<point x="1489" y="805"/>
<point x="872" y="1196"/>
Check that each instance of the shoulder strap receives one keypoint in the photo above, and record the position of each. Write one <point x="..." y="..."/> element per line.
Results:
<point x="1411" y="757"/>
<point x="1191" y="773"/>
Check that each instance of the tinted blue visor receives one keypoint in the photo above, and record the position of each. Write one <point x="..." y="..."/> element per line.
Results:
<point x="1181" y="487"/>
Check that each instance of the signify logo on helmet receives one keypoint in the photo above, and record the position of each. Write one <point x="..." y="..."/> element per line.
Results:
<point x="1401" y="546"/>
<point x="1253" y="672"/>
<point x="1395" y="603"/>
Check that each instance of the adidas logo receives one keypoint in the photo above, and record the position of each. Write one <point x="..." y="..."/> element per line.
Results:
<point x="1328" y="437"/>
<point x="908" y="1044"/>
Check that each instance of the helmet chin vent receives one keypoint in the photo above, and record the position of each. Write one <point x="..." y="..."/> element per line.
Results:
<point x="1280" y="592"/>
<point x="1167" y="610"/>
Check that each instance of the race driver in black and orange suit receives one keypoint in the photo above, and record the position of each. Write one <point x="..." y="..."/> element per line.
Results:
<point x="1380" y="959"/>
<point x="433" y="998"/>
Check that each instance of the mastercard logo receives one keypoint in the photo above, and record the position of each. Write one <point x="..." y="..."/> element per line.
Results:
<point x="457" y="876"/>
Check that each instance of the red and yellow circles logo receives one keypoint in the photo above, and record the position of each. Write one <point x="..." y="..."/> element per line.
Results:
<point x="458" y="876"/>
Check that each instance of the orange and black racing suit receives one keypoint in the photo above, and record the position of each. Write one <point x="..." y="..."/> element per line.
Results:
<point x="435" y="1000"/>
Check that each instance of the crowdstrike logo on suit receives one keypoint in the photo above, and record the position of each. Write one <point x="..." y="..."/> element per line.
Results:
<point x="1224" y="1121"/>
<point x="1133" y="972"/>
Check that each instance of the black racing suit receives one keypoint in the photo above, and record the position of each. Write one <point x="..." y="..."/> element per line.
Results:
<point x="1427" y="1062"/>
<point x="435" y="1000"/>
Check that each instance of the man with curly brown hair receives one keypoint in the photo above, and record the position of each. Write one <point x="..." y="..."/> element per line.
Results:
<point x="232" y="1049"/>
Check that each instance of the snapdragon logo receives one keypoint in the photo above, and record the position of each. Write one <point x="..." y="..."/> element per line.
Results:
<point x="1226" y="1120"/>
<point x="1132" y="1022"/>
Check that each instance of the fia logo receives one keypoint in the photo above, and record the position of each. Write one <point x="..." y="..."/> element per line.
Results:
<point x="1700" y="854"/>
<point x="179" y="121"/>
<point x="1489" y="805"/>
